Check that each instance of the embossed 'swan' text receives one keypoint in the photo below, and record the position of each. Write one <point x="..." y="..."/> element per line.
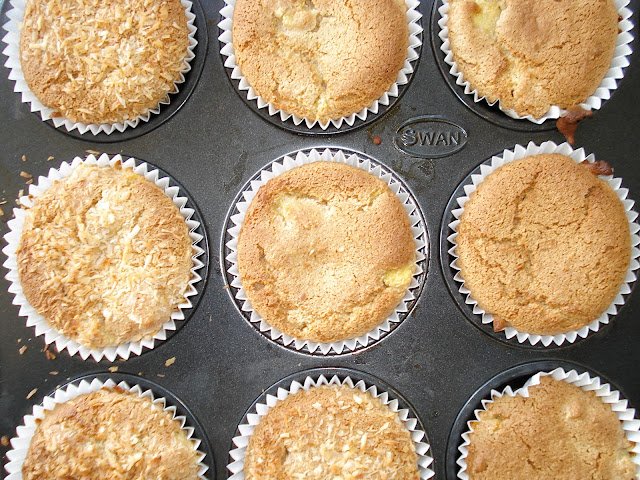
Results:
<point x="430" y="137"/>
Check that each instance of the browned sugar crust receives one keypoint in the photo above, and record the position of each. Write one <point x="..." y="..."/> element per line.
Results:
<point x="109" y="435"/>
<point x="320" y="59"/>
<point x="544" y="245"/>
<point x="325" y="252"/>
<point x="103" y="61"/>
<point x="105" y="256"/>
<point x="331" y="432"/>
<point x="533" y="54"/>
<point x="560" y="432"/>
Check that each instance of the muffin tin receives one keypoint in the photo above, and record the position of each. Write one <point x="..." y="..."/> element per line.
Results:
<point x="217" y="364"/>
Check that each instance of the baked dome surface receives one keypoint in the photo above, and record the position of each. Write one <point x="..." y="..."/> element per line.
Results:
<point x="544" y="245"/>
<point x="97" y="61"/>
<point x="533" y="54"/>
<point x="559" y="432"/>
<point x="110" y="434"/>
<point x="331" y="432"/>
<point x="104" y="256"/>
<point x="320" y="59"/>
<point x="325" y="252"/>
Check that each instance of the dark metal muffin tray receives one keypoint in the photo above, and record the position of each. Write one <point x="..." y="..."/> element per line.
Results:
<point x="436" y="359"/>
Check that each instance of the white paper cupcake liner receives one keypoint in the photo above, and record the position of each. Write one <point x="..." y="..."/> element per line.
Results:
<point x="603" y="391"/>
<point x="246" y="429"/>
<point x="12" y="50"/>
<point x="609" y="83"/>
<point x="34" y="319"/>
<point x="417" y="226"/>
<point x="413" y="16"/>
<point x="20" y="443"/>
<point x="578" y="156"/>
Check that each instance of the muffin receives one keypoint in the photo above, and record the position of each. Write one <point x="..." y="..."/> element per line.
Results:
<point x="325" y="252"/>
<point x="543" y="245"/>
<point x="533" y="54"/>
<point x="104" y="256"/>
<point x="558" y="432"/>
<point x="320" y="60"/>
<point x="103" y="62"/>
<point x="331" y="432"/>
<point x="110" y="434"/>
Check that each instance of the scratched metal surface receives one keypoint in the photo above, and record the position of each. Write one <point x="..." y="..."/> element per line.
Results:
<point x="212" y="145"/>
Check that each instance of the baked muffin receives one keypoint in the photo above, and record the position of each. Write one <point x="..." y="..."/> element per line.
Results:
<point x="543" y="244"/>
<point x="559" y="432"/>
<point x="110" y="434"/>
<point x="331" y="432"/>
<point x="325" y="252"/>
<point x="104" y="256"/>
<point x="320" y="60"/>
<point x="96" y="61"/>
<point x="533" y="54"/>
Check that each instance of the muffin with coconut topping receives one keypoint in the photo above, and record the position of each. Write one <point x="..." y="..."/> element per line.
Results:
<point x="103" y="62"/>
<point x="104" y="256"/>
<point x="110" y="434"/>
<point x="331" y="432"/>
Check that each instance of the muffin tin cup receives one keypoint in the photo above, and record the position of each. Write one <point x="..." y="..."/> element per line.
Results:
<point x="34" y="319"/>
<point x="234" y="224"/>
<point x="603" y="391"/>
<point x="247" y="91"/>
<point x="12" y="51"/>
<point x="609" y="83"/>
<point x="20" y="444"/>
<point x="334" y="376"/>
<point x="578" y="156"/>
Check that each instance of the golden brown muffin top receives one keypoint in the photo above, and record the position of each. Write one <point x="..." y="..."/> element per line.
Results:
<point x="533" y="54"/>
<point x="543" y="245"/>
<point x="320" y="59"/>
<point x="559" y="432"/>
<point x="325" y="252"/>
<point x="331" y="432"/>
<point x="107" y="435"/>
<point x="105" y="256"/>
<point x="103" y="61"/>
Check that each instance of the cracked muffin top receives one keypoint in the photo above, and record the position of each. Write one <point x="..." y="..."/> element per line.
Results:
<point x="543" y="244"/>
<point x="559" y="432"/>
<point x="110" y="434"/>
<point x="97" y="62"/>
<point x="331" y="432"/>
<point x="325" y="252"/>
<point x="533" y="54"/>
<point x="320" y="59"/>
<point x="104" y="256"/>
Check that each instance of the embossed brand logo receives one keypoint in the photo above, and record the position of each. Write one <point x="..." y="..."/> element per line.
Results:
<point x="430" y="137"/>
